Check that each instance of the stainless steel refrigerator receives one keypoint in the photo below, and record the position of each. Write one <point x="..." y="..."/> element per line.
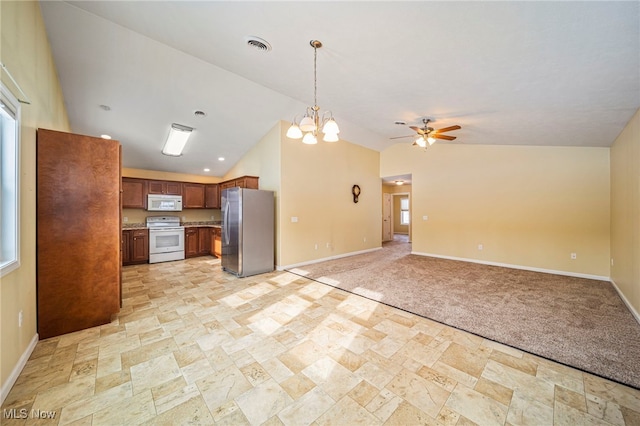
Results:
<point x="247" y="231"/>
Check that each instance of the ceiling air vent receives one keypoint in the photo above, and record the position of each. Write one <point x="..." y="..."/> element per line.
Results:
<point x="258" y="43"/>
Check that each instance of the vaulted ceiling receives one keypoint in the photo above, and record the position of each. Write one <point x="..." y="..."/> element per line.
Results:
<point x="525" y="73"/>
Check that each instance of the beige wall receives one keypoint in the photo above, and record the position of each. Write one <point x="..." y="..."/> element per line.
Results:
<point x="180" y="177"/>
<point x="528" y="206"/>
<point x="26" y="53"/>
<point x="313" y="183"/>
<point x="316" y="188"/>
<point x="625" y="212"/>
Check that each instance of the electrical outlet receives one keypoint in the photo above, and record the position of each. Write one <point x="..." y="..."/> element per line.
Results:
<point x="425" y="217"/>
<point x="574" y="256"/>
<point x="480" y="247"/>
<point x="316" y="247"/>
<point x="364" y="239"/>
<point x="20" y="319"/>
<point x="294" y="219"/>
<point x="213" y="217"/>
<point x="125" y="219"/>
<point x="612" y="261"/>
<point x="328" y="245"/>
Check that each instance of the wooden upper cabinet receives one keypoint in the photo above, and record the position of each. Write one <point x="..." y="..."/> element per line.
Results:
<point x="134" y="193"/>
<point x="164" y="187"/>
<point x="250" y="182"/>
<point x="193" y="195"/>
<point x="212" y="196"/>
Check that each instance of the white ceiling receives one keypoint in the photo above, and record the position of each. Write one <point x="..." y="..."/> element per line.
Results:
<point x="526" y="73"/>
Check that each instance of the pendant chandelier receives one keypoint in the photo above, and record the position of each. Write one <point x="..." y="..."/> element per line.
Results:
<point x="312" y="122"/>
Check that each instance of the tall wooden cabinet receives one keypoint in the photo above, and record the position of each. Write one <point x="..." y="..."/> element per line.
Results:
<point x="78" y="231"/>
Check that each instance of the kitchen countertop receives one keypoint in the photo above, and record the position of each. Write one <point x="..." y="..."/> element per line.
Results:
<point x="205" y="224"/>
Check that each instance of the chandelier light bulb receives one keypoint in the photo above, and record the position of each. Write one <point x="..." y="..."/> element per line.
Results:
<point x="309" y="139"/>
<point x="331" y="127"/>
<point x="307" y="124"/>
<point x="330" y="137"/>
<point x="421" y="142"/>
<point x="294" y="132"/>
<point x="431" y="140"/>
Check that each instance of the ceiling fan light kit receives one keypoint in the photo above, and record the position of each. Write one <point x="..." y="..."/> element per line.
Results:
<point x="426" y="136"/>
<point x="312" y="123"/>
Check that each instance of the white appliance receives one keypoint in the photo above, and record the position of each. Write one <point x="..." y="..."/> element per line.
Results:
<point x="247" y="231"/>
<point x="166" y="238"/>
<point x="164" y="203"/>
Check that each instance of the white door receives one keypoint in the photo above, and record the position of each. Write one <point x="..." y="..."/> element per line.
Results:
<point x="387" y="234"/>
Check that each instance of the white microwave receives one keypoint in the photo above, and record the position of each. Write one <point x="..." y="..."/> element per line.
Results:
<point x="164" y="203"/>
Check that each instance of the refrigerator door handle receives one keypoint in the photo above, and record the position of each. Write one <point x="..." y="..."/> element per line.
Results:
<point x="227" y="238"/>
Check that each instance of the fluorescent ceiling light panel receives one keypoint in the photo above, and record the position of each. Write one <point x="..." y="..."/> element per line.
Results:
<point x="178" y="136"/>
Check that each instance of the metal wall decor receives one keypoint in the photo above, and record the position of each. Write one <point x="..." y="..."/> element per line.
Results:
<point x="355" y="190"/>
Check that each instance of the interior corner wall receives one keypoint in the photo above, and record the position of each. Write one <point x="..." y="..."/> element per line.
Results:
<point x="528" y="207"/>
<point x="318" y="217"/>
<point x="26" y="53"/>
<point x="263" y="160"/>
<point x="625" y="212"/>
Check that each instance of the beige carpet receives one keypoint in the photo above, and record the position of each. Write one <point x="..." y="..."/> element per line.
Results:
<point x="579" y="322"/>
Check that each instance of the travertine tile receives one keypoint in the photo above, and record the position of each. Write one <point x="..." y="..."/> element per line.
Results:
<point x="421" y="393"/>
<point x="477" y="407"/>
<point x="193" y="345"/>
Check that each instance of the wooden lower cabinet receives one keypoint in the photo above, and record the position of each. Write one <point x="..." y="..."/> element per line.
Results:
<point x="199" y="241"/>
<point x="135" y="246"/>
<point x="216" y="242"/>
<point x="191" y="247"/>
<point x="204" y="241"/>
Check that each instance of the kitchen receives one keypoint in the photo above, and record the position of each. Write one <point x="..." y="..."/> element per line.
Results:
<point x="198" y="217"/>
<point x="81" y="234"/>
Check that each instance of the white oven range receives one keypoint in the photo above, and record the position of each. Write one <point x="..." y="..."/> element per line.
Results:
<point x="166" y="238"/>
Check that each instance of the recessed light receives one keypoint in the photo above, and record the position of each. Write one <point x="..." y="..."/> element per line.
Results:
<point x="105" y="107"/>
<point x="200" y="113"/>
<point x="220" y="158"/>
<point x="400" y="123"/>
<point x="105" y="136"/>
<point x="207" y="170"/>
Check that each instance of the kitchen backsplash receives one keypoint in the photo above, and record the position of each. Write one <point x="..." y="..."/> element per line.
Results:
<point x="137" y="216"/>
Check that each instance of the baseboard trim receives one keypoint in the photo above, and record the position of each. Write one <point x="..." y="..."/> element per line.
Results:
<point x="11" y="380"/>
<point x="524" y="268"/>
<point x="324" y="259"/>
<point x="633" y="311"/>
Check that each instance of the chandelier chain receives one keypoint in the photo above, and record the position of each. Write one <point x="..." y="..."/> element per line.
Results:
<point x="315" y="76"/>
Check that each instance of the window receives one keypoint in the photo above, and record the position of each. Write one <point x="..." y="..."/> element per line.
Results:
<point x="9" y="184"/>
<point x="404" y="211"/>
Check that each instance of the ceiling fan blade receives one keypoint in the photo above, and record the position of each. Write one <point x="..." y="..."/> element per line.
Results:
<point x="400" y="137"/>
<point x="448" y="129"/>
<point x="417" y="129"/>
<point x="445" y="137"/>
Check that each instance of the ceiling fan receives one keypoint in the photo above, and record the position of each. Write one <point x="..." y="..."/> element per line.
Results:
<point x="428" y="135"/>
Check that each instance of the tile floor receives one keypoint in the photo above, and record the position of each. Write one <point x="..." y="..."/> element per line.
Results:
<point x="193" y="345"/>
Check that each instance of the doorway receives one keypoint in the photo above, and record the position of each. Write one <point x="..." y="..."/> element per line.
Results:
<point x="401" y="216"/>
<point x="396" y="208"/>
